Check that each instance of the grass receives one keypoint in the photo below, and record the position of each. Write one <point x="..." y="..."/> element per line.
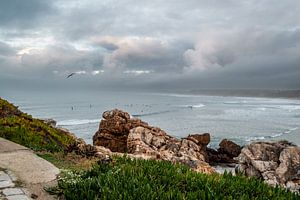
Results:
<point x="70" y="161"/>
<point x="124" y="178"/>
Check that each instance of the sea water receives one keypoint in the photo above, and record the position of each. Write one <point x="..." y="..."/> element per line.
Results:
<point x="241" y="119"/>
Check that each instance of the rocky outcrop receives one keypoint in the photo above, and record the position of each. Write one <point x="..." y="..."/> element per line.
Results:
<point x="277" y="163"/>
<point x="226" y="153"/>
<point x="114" y="129"/>
<point x="156" y="144"/>
<point x="121" y="133"/>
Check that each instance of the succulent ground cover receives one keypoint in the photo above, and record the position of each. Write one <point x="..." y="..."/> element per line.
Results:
<point x="125" y="178"/>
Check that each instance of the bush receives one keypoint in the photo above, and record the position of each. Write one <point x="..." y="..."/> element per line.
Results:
<point x="124" y="178"/>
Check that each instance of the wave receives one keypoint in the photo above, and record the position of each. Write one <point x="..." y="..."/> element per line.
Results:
<point x="73" y="122"/>
<point x="192" y="106"/>
<point x="289" y="107"/>
<point x="152" y="113"/>
<point x="291" y="130"/>
<point x="261" y="109"/>
<point x="254" y="138"/>
<point x="235" y="102"/>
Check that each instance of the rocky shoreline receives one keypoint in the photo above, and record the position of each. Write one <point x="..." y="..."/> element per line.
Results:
<point x="277" y="163"/>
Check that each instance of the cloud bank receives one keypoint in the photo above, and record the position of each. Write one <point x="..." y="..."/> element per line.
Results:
<point x="152" y="44"/>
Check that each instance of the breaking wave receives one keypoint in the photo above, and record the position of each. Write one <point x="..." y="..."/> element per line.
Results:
<point x="254" y="138"/>
<point x="192" y="106"/>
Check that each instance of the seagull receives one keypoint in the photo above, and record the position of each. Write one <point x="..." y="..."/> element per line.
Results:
<point x="70" y="75"/>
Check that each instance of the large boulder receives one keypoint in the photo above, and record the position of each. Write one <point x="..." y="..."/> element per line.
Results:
<point x="114" y="129"/>
<point x="277" y="163"/>
<point x="122" y="134"/>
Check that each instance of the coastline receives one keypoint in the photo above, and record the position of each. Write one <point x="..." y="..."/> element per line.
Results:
<point x="251" y="93"/>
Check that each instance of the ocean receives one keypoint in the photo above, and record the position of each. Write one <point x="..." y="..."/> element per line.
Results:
<point x="241" y="119"/>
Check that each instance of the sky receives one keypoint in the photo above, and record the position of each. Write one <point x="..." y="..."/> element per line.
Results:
<point x="150" y="44"/>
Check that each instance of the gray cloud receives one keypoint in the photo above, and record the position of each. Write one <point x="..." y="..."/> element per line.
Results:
<point x="6" y="50"/>
<point x="154" y="44"/>
<point x="23" y="14"/>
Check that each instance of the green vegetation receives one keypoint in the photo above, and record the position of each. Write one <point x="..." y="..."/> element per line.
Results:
<point x="33" y="133"/>
<point x="124" y="178"/>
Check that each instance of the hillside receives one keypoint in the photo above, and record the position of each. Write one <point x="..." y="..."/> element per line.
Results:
<point x="34" y="133"/>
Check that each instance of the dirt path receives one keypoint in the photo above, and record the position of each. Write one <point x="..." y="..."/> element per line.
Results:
<point x="20" y="164"/>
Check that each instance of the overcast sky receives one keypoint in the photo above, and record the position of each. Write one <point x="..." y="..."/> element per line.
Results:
<point x="171" y="44"/>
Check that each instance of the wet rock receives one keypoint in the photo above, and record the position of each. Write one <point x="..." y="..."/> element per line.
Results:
<point x="213" y="157"/>
<point x="226" y="153"/>
<point x="230" y="148"/>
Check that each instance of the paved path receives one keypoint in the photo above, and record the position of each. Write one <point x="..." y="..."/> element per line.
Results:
<point x="20" y="164"/>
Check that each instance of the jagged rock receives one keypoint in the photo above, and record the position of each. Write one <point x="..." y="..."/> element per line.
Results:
<point x="289" y="168"/>
<point x="200" y="139"/>
<point x="225" y="154"/>
<point x="230" y="148"/>
<point x="213" y="156"/>
<point x="277" y="163"/>
<point x="123" y="134"/>
<point x="156" y="144"/>
<point x="114" y="129"/>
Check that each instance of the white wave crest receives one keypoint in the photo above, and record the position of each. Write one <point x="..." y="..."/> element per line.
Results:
<point x="192" y="106"/>
<point x="254" y="138"/>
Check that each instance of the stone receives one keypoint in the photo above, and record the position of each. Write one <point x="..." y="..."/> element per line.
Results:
<point x="200" y="139"/>
<point x="230" y="148"/>
<point x="263" y="166"/>
<point x="18" y="197"/>
<point x="12" y="191"/>
<point x="289" y="168"/>
<point x="34" y="196"/>
<point x="213" y="156"/>
<point x="293" y="185"/>
<point x="156" y="144"/>
<point x="270" y="178"/>
<point x="139" y="141"/>
<point x="12" y="176"/>
<point x="225" y="154"/>
<point x="277" y="163"/>
<point x="4" y="176"/>
<point x="6" y="184"/>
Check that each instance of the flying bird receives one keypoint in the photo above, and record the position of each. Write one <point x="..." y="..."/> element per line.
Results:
<point x="70" y="75"/>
